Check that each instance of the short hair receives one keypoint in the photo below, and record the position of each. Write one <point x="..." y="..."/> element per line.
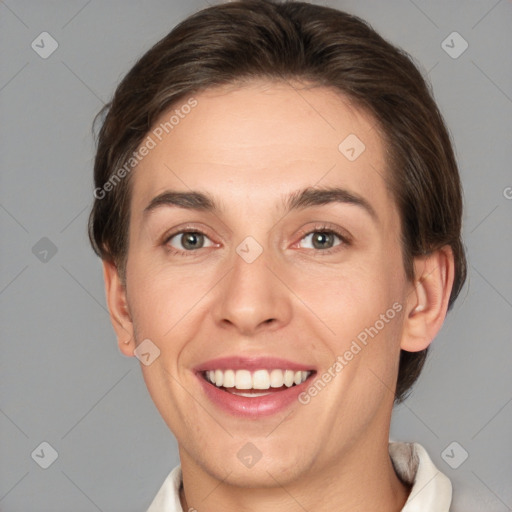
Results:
<point x="240" y="41"/>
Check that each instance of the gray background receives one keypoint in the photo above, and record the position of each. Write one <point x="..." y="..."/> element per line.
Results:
<point x="63" y="379"/>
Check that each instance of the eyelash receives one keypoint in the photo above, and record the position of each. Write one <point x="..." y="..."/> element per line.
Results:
<point x="322" y="228"/>
<point x="177" y="252"/>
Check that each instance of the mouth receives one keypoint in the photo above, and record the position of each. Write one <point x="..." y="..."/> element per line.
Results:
<point x="253" y="387"/>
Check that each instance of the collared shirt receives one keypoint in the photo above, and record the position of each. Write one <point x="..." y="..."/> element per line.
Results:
<point x="431" y="490"/>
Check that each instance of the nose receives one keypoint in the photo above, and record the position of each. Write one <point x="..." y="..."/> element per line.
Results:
<point x="253" y="295"/>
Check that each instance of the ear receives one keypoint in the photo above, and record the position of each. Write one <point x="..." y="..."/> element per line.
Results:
<point x="427" y="301"/>
<point x="118" y="308"/>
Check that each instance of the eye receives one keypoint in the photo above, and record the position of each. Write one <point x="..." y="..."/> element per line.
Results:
<point x="323" y="239"/>
<point x="186" y="241"/>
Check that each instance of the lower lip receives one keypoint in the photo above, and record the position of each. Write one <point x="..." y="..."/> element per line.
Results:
<point x="247" y="407"/>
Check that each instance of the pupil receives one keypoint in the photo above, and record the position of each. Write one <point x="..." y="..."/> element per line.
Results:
<point x="320" y="239"/>
<point x="190" y="240"/>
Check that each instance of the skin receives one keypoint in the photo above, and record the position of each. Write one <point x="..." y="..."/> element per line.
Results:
<point x="248" y="146"/>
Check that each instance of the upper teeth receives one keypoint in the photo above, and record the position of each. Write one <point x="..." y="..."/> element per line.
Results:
<point x="259" y="379"/>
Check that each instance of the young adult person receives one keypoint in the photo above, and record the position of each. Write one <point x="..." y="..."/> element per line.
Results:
<point x="278" y="210"/>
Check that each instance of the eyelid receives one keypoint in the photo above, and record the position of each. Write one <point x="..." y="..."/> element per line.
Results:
<point x="180" y="230"/>
<point x="343" y="235"/>
<point x="345" y="242"/>
<point x="187" y="228"/>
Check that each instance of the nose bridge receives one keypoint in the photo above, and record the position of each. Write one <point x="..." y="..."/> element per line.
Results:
<point x="251" y="294"/>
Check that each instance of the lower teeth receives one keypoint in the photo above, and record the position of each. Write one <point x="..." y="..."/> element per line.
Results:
<point x="252" y="392"/>
<point x="241" y="393"/>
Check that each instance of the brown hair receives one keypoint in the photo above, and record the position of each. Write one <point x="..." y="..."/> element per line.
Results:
<point x="249" y="39"/>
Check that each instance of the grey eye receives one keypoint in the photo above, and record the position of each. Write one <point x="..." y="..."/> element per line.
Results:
<point x="321" y="239"/>
<point x="189" y="240"/>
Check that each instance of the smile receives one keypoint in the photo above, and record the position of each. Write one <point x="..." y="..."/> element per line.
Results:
<point x="252" y="387"/>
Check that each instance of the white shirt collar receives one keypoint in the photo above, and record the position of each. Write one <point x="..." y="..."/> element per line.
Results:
<point x="431" y="490"/>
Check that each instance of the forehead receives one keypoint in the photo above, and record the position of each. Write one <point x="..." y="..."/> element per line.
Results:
<point x="262" y="141"/>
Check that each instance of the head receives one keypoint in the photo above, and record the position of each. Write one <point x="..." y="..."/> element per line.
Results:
<point x="249" y="103"/>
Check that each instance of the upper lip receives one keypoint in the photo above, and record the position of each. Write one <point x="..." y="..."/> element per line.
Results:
<point x="251" y="363"/>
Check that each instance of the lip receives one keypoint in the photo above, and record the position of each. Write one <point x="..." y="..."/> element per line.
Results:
<point x="247" y="407"/>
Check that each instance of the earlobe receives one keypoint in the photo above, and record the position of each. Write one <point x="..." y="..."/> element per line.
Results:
<point x="428" y="298"/>
<point x="118" y="308"/>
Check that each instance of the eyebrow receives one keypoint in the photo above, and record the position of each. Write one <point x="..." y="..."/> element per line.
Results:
<point x="298" y="200"/>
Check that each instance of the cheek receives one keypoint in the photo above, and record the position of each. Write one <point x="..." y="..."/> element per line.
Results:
<point x="355" y="295"/>
<point x="166" y="303"/>
<point x="361" y="312"/>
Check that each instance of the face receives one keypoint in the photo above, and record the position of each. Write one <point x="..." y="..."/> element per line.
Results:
<point x="268" y="277"/>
